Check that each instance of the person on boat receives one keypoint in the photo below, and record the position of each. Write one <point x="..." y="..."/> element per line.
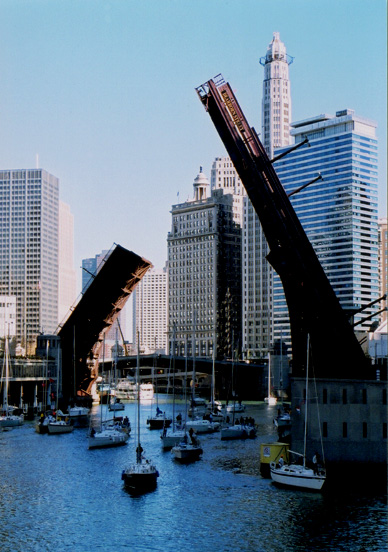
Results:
<point x="316" y="462"/>
<point x="92" y="432"/>
<point x="281" y="461"/>
<point x="139" y="450"/>
<point x="158" y="411"/>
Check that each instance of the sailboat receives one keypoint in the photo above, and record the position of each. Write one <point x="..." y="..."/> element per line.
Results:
<point x="299" y="475"/>
<point x="159" y="420"/>
<point x="114" y="402"/>
<point x="238" y="429"/>
<point x="271" y="400"/>
<point x="214" y="408"/>
<point x="7" y="419"/>
<point x="42" y="425"/>
<point x="235" y="407"/>
<point x="188" y="449"/>
<point x="171" y="437"/>
<point x="108" y="435"/>
<point x="143" y="475"/>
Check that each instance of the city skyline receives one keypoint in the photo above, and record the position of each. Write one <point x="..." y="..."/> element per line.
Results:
<point x="105" y="97"/>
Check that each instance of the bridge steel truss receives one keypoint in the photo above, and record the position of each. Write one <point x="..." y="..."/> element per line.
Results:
<point x="83" y="332"/>
<point x="313" y="306"/>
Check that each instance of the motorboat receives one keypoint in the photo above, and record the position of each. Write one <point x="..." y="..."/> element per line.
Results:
<point x="126" y="389"/>
<point x="146" y="391"/>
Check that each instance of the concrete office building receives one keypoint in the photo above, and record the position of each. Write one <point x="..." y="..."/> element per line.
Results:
<point x="204" y="274"/>
<point x="29" y="207"/>
<point x="339" y="214"/>
<point x="150" y="312"/>
<point x="67" y="284"/>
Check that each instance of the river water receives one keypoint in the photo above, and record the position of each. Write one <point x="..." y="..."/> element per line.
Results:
<point x="57" y="495"/>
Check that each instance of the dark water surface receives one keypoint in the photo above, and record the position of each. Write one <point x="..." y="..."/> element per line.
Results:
<point x="57" y="495"/>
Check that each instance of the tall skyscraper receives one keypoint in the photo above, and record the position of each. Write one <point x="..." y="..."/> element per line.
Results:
<point x="150" y="312"/>
<point x="67" y="285"/>
<point x="257" y="272"/>
<point x="383" y="264"/>
<point x="29" y="211"/>
<point x="276" y="102"/>
<point x="339" y="214"/>
<point x="204" y="274"/>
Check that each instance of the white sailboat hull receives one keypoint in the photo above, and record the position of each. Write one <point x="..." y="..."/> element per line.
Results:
<point x="108" y="438"/>
<point x="237" y="432"/>
<point x="59" y="427"/>
<point x="297" y="476"/>
<point x="11" y="421"/>
<point x="171" y="439"/>
<point x="203" y="426"/>
<point x="187" y="452"/>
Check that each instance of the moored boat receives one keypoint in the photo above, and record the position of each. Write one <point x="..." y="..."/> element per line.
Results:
<point x="107" y="437"/>
<point x="299" y="474"/>
<point x="142" y="476"/>
<point x="238" y="431"/>
<point x="59" y="426"/>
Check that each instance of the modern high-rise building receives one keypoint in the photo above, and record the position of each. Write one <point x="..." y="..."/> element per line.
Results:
<point x="150" y="312"/>
<point x="90" y="268"/>
<point x="338" y="214"/>
<point x="67" y="284"/>
<point x="204" y="274"/>
<point x="29" y="213"/>
<point x="257" y="273"/>
<point x="383" y="244"/>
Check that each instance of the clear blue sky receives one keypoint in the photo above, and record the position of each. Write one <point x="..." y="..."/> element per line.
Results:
<point x="103" y="91"/>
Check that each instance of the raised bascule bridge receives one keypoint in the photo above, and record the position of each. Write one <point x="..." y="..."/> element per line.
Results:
<point x="82" y="334"/>
<point x="351" y="393"/>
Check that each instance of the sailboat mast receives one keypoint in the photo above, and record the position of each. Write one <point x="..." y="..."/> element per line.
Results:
<point x="307" y="400"/>
<point x="5" y="395"/>
<point x="193" y="387"/>
<point x="138" y="454"/>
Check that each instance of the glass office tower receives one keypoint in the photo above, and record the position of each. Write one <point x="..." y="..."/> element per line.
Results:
<point x="339" y="214"/>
